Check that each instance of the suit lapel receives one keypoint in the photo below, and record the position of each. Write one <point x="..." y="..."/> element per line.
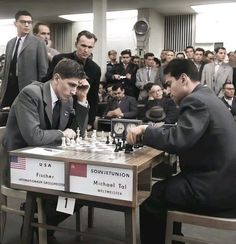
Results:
<point x="26" y="43"/>
<point x="47" y="101"/>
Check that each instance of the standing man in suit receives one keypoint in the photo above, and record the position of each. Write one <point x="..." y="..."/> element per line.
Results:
<point x="203" y="138"/>
<point x="125" y="73"/>
<point x="42" y="30"/>
<point x="215" y="74"/>
<point x="198" y="60"/>
<point x="26" y="60"/>
<point x="121" y="106"/>
<point x="84" y="44"/>
<point x="146" y="75"/>
<point x="229" y="98"/>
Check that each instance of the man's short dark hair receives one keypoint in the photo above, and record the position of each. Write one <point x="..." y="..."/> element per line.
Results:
<point x="149" y="86"/>
<point x="189" y="47"/>
<point x="68" y="68"/>
<point x="36" y="27"/>
<point x="199" y="49"/>
<point x="227" y="83"/>
<point x="116" y="86"/>
<point x="126" y="51"/>
<point x="218" y="48"/>
<point x="147" y="55"/>
<point x="22" y="12"/>
<point x="87" y="34"/>
<point x="176" y="67"/>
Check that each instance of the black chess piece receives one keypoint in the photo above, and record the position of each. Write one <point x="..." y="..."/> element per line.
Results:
<point x="128" y="148"/>
<point x="114" y="140"/>
<point x="120" y="146"/>
<point x="107" y="141"/>
<point x="117" y="149"/>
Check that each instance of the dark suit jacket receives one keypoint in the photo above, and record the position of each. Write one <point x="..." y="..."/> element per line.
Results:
<point x="93" y="72"/>
<point x="128" y="106"/>
<point x="232" y="108"/>
<point x="30" y="118"/>
<point x="32" y="62"/>
<point x="204" y="138"/>
<point x="129" y="84"/>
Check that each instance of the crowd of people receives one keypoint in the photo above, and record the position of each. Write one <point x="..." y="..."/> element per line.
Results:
<point x="49" y="94"/>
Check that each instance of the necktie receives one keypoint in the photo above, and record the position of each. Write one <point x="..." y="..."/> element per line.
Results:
<point x="14" y="59"/>
<point x="148" y="73"/>
<point x="56" y="115"/>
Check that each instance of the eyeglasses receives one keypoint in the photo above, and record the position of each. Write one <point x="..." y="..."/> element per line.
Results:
<point x="24" y="22"/>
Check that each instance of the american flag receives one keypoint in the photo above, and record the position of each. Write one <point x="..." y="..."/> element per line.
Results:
<point x="17" y="162"/>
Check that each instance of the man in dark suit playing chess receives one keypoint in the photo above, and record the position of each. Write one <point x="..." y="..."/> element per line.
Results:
<point x="43" y="113"/>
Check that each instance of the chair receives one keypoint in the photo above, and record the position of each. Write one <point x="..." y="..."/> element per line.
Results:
<point x="7" y="192"/>
<point x="197" y="220"/>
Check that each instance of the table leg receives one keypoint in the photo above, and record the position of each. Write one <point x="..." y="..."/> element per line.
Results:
<point x="130" y="226"/>
<point x="30" y="206"/>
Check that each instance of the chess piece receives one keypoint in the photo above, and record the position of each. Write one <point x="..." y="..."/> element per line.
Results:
<point x="78" y="132"/>
<point x="114" y="139"/>
<point x="67" y="141"/>
<point x="107" y="141"/>
<point x="63" y="142"/>
<point x="117" y="149"/>
<point x="128" y="148"/>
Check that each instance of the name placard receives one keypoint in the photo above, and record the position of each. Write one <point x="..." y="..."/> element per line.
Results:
<point x="109" y="182"/>
<point x="34" y="172"/>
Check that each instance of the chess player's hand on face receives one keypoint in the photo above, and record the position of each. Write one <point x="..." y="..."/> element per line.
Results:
<point x="82" y="90"/>
<point x="134" y="133"/>
<point x="69" y="133"/>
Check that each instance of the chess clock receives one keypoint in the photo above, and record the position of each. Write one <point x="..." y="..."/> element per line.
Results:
<point x="120" y="127"/>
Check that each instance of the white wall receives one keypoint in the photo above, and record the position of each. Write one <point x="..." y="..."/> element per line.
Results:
<point x="156" y="40"/>
<point x="8" y="31"/>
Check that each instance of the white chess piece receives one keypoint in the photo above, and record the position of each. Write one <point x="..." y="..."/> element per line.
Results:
<point x="67" y="141"/>
<point x="63" y="142"/>
<point x="86" y="135"/>
<point x="78" y="132"/>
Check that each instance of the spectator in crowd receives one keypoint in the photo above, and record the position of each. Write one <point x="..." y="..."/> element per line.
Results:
<point x="229" y="98"/>
<point x="112" y="55"/>
<point x="189" y="51"/>
<point x="156" y="63"/>
<point x="84" y="44"/>
<point x="163" y="56"/>
<point x="102" y="95"/>
<point x="180" y="55"/>
<point x="145" y="75"/>
<point x="232" y="59"/>
<point x="125" y="73"/>
<point x="209" y="57"/>
<point x="26" y="60"/>
<point x="214" y="75"/>
<point x="109" y="92"/>
<point x="203" y="138"/>
<point x="198" y="60"/>
<point x="135" y="60"/>
<point x="42" y="30"/>
<point x="157" y="98"/>
<point x="121" y="106"/>
<point x="170" y="55"/>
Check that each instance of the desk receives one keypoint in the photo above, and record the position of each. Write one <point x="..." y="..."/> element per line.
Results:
<point x="116" y="181"/>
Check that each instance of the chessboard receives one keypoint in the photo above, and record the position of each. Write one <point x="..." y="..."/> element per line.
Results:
<point x="97" y="142"/>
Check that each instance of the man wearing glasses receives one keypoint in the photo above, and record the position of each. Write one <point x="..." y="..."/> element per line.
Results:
<point x="26" y="60"/>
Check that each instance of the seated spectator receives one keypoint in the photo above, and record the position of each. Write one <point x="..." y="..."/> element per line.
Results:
<point x="121" y="106"/>
<point x="109" y="92"/>
<point x="156" y="114"/>
<point x="229" y="98"/>
<point x="102" y="95"/>
<point x="156" y="98"/>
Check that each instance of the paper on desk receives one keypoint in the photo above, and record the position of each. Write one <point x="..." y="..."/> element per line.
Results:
<point x="43" y="151"/>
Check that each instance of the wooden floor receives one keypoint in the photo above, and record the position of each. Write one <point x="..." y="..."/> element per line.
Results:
<point x="106" y="223"/>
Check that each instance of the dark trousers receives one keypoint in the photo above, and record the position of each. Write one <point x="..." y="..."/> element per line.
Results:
<point x="153" y="215"/>
<point x="11" y="92"/>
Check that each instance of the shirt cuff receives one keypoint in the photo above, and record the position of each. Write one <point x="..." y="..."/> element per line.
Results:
<point x="84" y="104"/>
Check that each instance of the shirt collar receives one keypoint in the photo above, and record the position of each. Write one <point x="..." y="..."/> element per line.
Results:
<point x="53" y="96"/>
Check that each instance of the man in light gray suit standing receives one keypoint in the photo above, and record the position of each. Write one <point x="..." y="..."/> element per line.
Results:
<point x="26" y="60"/>
<point x="146" y="75"/>
<point x="215" y="74"/>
